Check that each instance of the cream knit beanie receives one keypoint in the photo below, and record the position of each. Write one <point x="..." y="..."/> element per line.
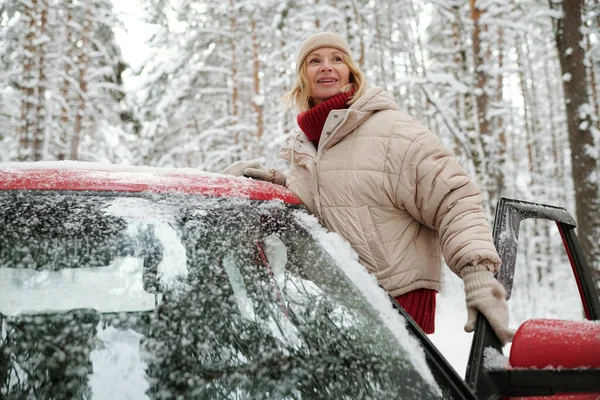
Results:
<point x="318" y="40"/>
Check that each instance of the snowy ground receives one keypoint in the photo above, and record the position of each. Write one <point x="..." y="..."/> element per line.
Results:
<point x="451" y="316"/>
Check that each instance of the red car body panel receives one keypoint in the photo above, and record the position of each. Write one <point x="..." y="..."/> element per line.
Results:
<point x="141" y="179"/>
<point x="552" y="343"/>
<point x="546" y="343"/>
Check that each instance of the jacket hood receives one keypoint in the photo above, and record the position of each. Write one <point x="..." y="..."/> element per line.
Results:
<point x="375" y="99"/>
<point x="372" y="101"/>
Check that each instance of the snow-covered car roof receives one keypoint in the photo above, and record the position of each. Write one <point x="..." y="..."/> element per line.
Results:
<point x="78" y="175"/>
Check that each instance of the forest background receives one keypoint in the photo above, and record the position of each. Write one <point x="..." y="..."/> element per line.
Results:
<point x="511" y="86"/>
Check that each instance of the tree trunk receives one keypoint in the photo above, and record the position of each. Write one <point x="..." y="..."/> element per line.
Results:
<point x="534" y="152"/>
<point x="65" y="90"/>
<point x="584" y="165"/>
<point x="482" y="103"/>
<point x="526" y="111"/>
<point x="480" y="75"/>
<point x="499" y="126"/>
<point x="468" y="105"/>
<point x="234" y="71"/>
<point x="384" y="41"/>
<point x="557" y="144"/>
<point x="40" y="114"/>
<point x="83" y="61"/>
<point x="592" y="79"/>
<point x="358" y="21"/>
<point x="257" y="102"/>
<point x="27" y="87"/>
<point x="460" y="69"/>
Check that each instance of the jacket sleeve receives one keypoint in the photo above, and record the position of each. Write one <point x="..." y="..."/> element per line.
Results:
<point x="434" y="189"/>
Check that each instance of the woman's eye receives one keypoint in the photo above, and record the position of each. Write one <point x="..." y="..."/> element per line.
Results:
<point x="337" y="58"/>
<point x="313" y="61"/>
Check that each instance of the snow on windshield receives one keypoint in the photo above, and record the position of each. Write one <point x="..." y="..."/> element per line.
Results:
<point x="139" y="212"/>
<point x="347" y="259"/>
<point x="115" y="287"/>
<point x="118" y="361"/>
<point x="242" y="291"/>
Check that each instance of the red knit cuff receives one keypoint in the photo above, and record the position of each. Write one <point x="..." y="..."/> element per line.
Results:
<point x="420" y="305"/>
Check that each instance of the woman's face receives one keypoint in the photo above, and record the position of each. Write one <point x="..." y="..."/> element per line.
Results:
<point x="326" y="72"/>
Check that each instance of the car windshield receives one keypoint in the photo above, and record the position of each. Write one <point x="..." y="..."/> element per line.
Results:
<point x="181" y="296"/>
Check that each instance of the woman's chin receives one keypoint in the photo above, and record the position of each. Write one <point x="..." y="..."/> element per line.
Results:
<point x="326" y="94"/>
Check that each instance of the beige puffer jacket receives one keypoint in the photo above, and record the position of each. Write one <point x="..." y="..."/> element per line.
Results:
<point x="390" y="187"/>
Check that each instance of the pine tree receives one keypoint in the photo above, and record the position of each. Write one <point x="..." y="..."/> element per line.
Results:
<point x="584" y="151"/>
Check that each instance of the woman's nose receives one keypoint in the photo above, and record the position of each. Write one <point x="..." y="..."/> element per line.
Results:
<point x="325" y="66"/>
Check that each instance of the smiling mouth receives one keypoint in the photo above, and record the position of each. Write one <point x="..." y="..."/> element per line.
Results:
<point x="326" y="80"/>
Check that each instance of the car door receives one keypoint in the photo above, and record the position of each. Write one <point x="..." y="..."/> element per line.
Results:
<point x="577" y="376"/>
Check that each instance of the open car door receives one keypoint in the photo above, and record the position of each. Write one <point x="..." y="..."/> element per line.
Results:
<point x="549" y="359"/>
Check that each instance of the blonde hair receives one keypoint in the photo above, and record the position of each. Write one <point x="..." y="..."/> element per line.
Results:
<point x="299" y="95"/>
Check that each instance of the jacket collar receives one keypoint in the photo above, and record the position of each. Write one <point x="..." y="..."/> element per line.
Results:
<point x="301" y="144"/>
<point x="371" y="101"/>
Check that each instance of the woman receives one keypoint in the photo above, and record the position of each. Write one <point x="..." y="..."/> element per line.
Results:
<point x="388" y="185"/>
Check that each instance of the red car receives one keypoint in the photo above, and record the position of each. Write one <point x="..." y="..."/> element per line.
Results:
<point x="154" y="283"/>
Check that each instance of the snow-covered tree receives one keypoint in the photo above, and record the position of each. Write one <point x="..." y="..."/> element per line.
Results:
<point x="63" y="69"/>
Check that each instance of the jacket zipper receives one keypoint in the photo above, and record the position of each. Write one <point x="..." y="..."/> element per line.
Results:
<point x="319" y="155"/>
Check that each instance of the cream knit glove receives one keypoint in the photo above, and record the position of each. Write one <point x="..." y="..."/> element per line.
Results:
<point x="486" y="295"/>
<point x="256" y="170"/>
